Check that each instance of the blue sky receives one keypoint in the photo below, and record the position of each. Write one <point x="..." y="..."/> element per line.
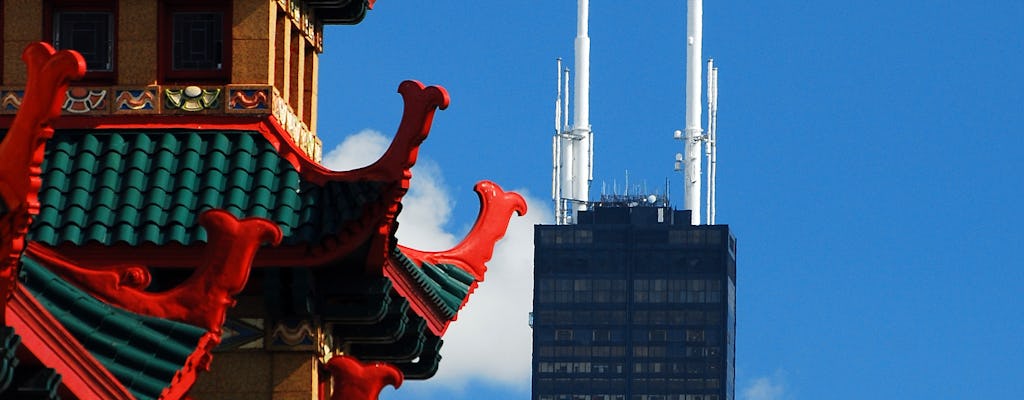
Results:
<point x="870" y="159"/>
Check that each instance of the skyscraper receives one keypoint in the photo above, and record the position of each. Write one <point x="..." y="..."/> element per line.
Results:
<point x="634" y="303"/>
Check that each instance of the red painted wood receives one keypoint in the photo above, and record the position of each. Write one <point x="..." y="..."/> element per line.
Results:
<point x="357" y="380"/>
<point x="47" y="340"/>
<point x="21" y="152"/>
<point x="496" y="208"/>
<point x="203" y="298"/>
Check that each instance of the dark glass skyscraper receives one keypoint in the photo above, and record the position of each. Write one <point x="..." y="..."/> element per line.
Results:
<point x="634" y="303"/>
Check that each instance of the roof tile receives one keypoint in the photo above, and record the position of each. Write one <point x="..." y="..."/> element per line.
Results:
<point x="138" y="187"/>
<point x="143" y="352"/>
<point x="446" y="286"/>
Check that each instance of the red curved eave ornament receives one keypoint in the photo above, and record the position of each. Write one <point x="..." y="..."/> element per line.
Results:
<point x="357" y="380"/>
<point x="202" y="299"/>
<point x="420" y="104"/>
<point x="21" y="152"/>
<point x="470" y="255"/>
<point x="393" y="167"/>
<point x="476" y="249"/>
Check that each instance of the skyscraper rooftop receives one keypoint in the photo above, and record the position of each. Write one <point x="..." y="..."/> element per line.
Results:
<point x="634" y="303"/>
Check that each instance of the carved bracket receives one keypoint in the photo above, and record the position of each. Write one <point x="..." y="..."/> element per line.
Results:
<point x="420" y="104"/>
<point x="357" y="380"/>
<point x="203" y="298"/>
<point x="496" y="208"/>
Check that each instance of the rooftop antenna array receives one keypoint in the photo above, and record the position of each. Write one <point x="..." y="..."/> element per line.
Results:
<point x="711" y="150"/>
<point x="693" y="139"/>
<point x="572" y="146"/>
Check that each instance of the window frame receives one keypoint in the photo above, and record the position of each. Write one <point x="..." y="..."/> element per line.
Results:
<point x="165" y="61"/>
<point x="54" y="8"/>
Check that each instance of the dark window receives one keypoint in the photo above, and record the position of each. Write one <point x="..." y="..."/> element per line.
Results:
<point x="90" y="33"/>
<point x="89" y="28"/>
<point x="584" y="236"/>
<point x="197" y="41"/>
<point x="195" y="44"/>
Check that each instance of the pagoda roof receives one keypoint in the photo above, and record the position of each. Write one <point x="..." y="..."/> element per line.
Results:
<point x="114" y="206"/>
<point x="145" y="354"/>
<point x="134" y="187"/>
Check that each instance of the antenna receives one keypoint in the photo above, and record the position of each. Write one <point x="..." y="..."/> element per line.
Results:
<point x="711" y="150"/>
<point x="693" y="138"/>
<point x="558" y="96"/>
<point x="690" y="160"/>
<point x="668" y="185"/>
<point x="712" y="139"/>
<point x="556" y="148"/>
<point x="565" y="101"/>
<point x="581" y="107"/>
<point x="572" y="147"/>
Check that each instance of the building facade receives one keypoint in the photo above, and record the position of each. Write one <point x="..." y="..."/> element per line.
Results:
<point x="634" y="303"/>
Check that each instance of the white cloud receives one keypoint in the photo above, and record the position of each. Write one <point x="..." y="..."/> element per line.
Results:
<point x="766" y="388"/>
<point x="490" y="342"/>
<point x="358" y="150"/>
<point x="426" y="210"/>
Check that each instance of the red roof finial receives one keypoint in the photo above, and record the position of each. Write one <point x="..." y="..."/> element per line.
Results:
<point x="357" y="380"/>
<point x="21" y="152"/>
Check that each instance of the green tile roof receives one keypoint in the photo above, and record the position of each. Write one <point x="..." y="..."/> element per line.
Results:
<point x="142" y="352"/>
<point x="445" y="285"/>
<point x="135" y="187"/>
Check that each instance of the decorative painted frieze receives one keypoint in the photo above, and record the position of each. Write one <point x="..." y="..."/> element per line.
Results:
<point x="191" y="99"/>
<point x="249" y="99"/>
<point x="10" y="101"/>
<point x="294" y="335"/>
<point x="242" y="333"/>
<point x="86" y="100"/>
<point x="135" y="100"/>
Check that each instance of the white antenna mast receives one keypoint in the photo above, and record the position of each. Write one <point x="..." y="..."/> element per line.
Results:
<point x="581" y="122"/>
<point x="556" y="149"/>
<point x="693" y="138"/>
<point x="573" y="147"/>
<point x="712" y="138"/>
